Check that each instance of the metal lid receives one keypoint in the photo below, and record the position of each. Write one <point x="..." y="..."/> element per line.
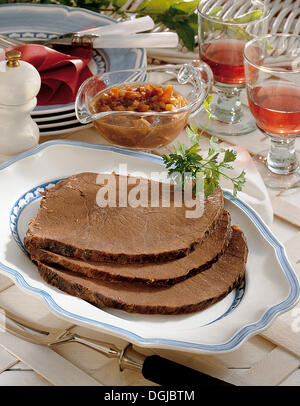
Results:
<point x="13" y="58"/>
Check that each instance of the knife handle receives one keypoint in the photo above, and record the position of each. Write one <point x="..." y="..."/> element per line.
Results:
<point x="133" y="26"/>
<point x="165" y="372"/>
<point x="151" y="40"/>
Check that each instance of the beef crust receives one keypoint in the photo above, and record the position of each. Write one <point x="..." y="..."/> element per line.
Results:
<point x="158" y="274"/>
<point x="193" y="294"/>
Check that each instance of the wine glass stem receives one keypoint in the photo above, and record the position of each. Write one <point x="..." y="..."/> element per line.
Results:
<point x="228" y="107"/>
<point x="282" y="158"/>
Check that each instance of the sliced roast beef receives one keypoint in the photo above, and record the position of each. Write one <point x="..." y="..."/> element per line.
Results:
<point x="193" y="294"/>
<point x="71" y="223"/>
<point x="159" y="274"/>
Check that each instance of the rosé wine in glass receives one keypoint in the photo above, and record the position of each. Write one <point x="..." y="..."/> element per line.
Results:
<point x="272" y="69"/>
<point x="224" y="28"/>
<point x="225" y="58"/>
<point x="276" y="108"/>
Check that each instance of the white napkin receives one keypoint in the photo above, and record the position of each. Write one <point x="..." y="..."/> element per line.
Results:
<point x="254" y="191"/>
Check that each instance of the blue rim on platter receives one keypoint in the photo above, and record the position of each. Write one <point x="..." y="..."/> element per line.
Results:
<point x="44" y="21"/>
<point x="38" y="191"/>
<point x="238" y="338"/>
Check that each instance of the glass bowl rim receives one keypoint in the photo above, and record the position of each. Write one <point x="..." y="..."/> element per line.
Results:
<point x="190" y="106"/>
<point x="265" y="68"/>
<point x="265" y="16"/>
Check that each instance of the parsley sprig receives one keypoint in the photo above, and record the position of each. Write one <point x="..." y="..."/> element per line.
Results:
<point x="188" y="163"/>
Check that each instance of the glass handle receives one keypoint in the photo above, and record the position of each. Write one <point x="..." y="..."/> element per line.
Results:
<point x="81" y="108"/>
<point x="200" y="75"/>
<point x="205" y="74"/>
<point x="207" y="77"/>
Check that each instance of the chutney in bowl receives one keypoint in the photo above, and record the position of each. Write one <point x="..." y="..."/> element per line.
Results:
<point x="143" y="108"/>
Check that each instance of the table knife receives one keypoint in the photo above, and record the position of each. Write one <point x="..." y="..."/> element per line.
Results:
<point x="132" y="26"/>
<point x="153" y="40"/>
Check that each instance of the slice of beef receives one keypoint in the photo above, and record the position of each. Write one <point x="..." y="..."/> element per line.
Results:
<point x="193" y="294"/>
<point x="159" y="274"/>
<point x="71" y="223"/>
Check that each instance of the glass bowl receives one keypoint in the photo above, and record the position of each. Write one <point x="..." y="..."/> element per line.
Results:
<point x="150" y="129"/>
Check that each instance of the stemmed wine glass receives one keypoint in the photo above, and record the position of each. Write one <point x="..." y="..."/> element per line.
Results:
<point x="225" y="26"/>
<point x="272" y="67"/>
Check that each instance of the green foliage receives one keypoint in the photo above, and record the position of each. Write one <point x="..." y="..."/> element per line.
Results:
<point x="178" y="16"/>
<point x="189" y="164"/>
<point x="247" y="18"/>
<point x="155" y="6"/>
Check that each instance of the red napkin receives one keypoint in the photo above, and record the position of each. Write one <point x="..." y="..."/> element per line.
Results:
<point x="61" y="74"/>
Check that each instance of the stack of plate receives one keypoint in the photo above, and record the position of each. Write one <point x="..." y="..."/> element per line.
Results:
<point x="56" y="120"/>
<point x="26" y="21"/>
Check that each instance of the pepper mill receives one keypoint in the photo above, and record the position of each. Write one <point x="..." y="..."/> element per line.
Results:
<point x="20" y="83"/>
